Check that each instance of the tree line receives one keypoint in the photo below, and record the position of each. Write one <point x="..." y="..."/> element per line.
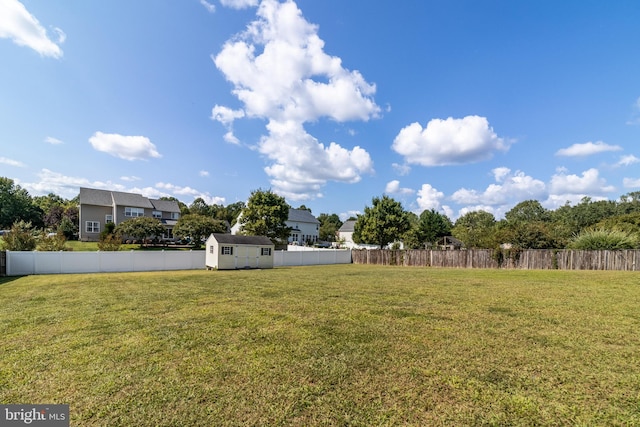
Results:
<point x="590" y="224"/>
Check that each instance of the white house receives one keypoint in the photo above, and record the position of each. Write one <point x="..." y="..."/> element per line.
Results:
<point x="305" y="228"/>
<point x="345" y="233"/>
<point x="229" y="252"/>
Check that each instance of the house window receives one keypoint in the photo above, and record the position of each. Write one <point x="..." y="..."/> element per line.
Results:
<point x="265" y="252"/>
<point x="92" y="227"/>
<point x="227" y="250"/>
<point x="157" y="214"/>
<point x="175" y="215"/>
<point x="210" y="249"/>
<point x="133" y="212"/>
<point x="108" y="218"/>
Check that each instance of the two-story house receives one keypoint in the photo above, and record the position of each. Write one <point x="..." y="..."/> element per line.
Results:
<point x="98" y="207"/>
<point x="305" y="228"/>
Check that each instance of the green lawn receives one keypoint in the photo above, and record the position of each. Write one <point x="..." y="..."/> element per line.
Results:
<point x="326" y="345"/>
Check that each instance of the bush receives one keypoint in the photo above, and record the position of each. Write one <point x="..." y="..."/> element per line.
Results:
<point x="20" y="238"/>
<point x="603" y="239"/>
<point x="52" y="243"/>
<point x="109" y="242"/>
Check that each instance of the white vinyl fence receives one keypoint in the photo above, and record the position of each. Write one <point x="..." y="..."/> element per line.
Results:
<point x="19" y="263"/>
<point x="315" y="257"/>
<point x="23" y="263"/>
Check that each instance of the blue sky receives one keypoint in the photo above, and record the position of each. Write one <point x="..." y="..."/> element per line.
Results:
<point x="446" y="105"/>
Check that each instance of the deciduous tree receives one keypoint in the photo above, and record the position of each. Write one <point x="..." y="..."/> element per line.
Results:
<point x="384" y="222"/>
<point x="198" y="227"/>
<point x="266" y="214"/>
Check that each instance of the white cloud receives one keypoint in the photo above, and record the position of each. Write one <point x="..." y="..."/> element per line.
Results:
<point x="587" y="149"/>
<point x="188" y="191"/>
<point x="631" y="182"/>
<point x="130" y="178"/>
<point x="239" y="4"/>
<point x="231" y="138"/>
<point x="635" y="113"/>
<point x="448" y="142"/>
<point x="66" y="186"/>
<point x="627" y="160"/>
<point x="11" y="162"/>
<point x="125" y="147"/>
<point x="589" y="184"/>
<point x="203" y="173"/>
<point x="52" y="140"/>
<point x="17" y="24"/>
<point x="280" y="73"/>
<point x="225" y="115"/>
<point x="510" y="188"/>
<point x="429" y="198"/>
<point x="393" y="187"/>
<point x="302" y="165"/>
<point x="401" y="170"/>
<point x="210" y="7"/>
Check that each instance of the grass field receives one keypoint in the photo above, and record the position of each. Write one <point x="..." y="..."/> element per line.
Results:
<point x="326" y="345"/>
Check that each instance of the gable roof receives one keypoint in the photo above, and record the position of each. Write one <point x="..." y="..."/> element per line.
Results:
<point x="347" y="226"/>
<point x="165" y="205"/>
<point x="237" y="239"/>
<point x="91" y="196"/>
<point x="131" y="199"/>
<point x="302" y="215"/>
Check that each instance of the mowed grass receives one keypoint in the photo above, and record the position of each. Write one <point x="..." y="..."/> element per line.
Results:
<point x="326" y="345"/>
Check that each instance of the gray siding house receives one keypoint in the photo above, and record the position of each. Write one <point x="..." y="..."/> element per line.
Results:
<point x="98" y="207"/>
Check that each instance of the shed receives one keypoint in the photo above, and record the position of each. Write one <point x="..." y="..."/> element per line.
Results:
<point x="232" y="251"/>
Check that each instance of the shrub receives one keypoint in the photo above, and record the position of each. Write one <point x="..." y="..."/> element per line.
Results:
<point x="603" y="239"/>
<point x="51" y="243"/>
<point x="20" y="238"/>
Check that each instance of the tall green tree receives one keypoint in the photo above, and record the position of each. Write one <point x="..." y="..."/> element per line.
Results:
<point x="198" y="227"/>
<point x="476" y="229"/>
<point x="329" y="225"/>
<point x="266" y="214"/>
<point x="433" y="226"/>
<point x="384" y="222"/>
<point x="17" y="205"/>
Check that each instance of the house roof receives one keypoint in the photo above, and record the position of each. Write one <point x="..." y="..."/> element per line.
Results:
<point x="302" y="215"/>
<point x="131" y="199"/>
<point x="347" y="226"/>
<point x="236" y="239"/>
<point x="91" y="196"/>
<point x="165" y="205"/>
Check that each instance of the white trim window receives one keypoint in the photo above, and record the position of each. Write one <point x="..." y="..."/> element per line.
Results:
<point x="265" y="251"/>
<point x="92" y="226"/>
<point x="157" y="214"/>
<point x="133" y="212"/>
<point x="108" y="219"/>
<point x="175" y="215"/>
<point x="226" y="250"/>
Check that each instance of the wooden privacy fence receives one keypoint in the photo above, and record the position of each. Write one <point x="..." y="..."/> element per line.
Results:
<point x="541" y="259"/>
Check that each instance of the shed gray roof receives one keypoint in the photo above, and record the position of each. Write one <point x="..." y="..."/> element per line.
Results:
<point x="237" y="239"/>
<point x="91" y="196"/>
<point x="302" y="215"/>
<point x="347" y="226"/>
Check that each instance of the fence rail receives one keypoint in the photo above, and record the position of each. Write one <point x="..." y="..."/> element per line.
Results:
<point x="540" y="259"/>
